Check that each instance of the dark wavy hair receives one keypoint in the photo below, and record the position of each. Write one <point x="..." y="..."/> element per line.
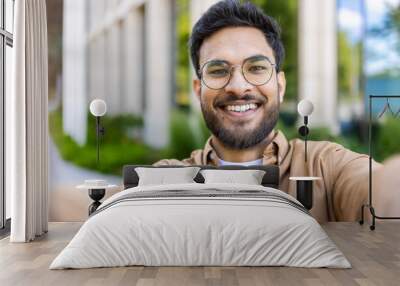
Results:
<point x="233" y="13"/>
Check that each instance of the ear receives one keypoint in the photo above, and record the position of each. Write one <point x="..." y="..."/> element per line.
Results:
<point x="197" y="86"/>
<point x="281" y="85"/>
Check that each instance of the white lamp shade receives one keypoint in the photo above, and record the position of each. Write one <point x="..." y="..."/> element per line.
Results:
<point x="305" y="107"/>
<point x="98" y="107"/>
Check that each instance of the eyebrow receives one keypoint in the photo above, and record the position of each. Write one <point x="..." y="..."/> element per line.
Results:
<point x="217" y="61"/>
<point x="255" y="57"/>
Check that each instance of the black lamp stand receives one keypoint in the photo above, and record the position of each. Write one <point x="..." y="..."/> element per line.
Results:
<point x="99" y="132"/>
<point x="96" y="195"/>
<point x="304" y="131"/>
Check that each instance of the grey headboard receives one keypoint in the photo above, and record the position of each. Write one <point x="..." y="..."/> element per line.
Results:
<point x="270" y="179"/>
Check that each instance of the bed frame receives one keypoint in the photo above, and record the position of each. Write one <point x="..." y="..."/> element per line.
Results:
<point x="270" y="179"/>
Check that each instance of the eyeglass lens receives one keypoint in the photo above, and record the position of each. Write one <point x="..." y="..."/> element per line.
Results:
<point x="256" y="70"/>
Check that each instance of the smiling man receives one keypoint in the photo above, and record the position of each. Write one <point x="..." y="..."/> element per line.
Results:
<point x="237" y="54"/>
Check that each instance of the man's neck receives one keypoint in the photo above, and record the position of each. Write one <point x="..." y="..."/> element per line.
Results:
<point x="241" y="155"/>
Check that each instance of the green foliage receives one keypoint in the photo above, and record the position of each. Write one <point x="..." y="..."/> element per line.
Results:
<point x="392" y="23"/>
<point x="349" y="67"/>
<point x="182" y="141"/>
<point x="387" y="139"/>
<point x="316" y="134"/>
<point x="351" y="142"/>
<point x="204" y="131"/>
<point x="188" y="132"/>
<point x="117" y="128"/>
<point x="116" y="150"/>
<point x="183" y="58"/>
<point x="344" y="64"/>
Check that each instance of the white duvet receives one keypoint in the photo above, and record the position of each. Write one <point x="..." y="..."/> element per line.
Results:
<point x="183" y="231"/>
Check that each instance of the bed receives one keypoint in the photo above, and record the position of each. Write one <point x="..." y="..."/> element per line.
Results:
<point x="201" y="223"/>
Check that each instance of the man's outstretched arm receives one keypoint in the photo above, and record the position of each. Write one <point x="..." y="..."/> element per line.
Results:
<point x="351" y="185"/>
<point x="386" y="187"/>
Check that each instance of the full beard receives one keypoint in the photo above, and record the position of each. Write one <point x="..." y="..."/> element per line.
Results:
<point x="239" y="137"/>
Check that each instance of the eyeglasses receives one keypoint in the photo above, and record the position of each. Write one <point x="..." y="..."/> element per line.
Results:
<point x="257" y="70"/>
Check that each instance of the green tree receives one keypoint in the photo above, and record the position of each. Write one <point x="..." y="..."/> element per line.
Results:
<point x="344" y="64"/>
<point x="183" y="63"/>
<point x="349" y="66"/>
<point x="390" y="25"/>
<point x="393" y="21"/>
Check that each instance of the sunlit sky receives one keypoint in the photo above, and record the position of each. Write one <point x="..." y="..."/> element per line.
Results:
<point x="381" y="52"/>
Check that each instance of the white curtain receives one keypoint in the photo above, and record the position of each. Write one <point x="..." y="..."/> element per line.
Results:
<point x="27" y="124"/>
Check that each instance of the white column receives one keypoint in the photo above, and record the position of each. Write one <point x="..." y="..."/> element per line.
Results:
<point x="113" y="75"/>
<point x="92" y="48"/>
<point x="197" y="8"/>
<point x="97" y="11"/>
<point x="133" y="65"/>
<point x="158" y="71"/>
<point x="97" y="65"/>
<point x="74" y="70"/>
<point x="318" y="60"/>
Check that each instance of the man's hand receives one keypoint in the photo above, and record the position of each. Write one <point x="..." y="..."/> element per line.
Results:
<point x="386" y="188"/>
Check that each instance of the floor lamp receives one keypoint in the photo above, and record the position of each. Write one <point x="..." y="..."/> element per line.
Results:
<point x="98" y="108"/>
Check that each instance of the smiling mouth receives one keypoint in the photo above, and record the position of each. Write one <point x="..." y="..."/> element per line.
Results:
<point x="240" y="109"/>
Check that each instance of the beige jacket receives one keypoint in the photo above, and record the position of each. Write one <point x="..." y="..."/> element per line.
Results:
<point x="340" y="193"/>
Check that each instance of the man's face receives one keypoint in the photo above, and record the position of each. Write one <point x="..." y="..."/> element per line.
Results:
<point x="245" y="128"/>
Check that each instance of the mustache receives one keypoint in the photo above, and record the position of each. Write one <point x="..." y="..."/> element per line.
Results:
<point x="227" y="99"/>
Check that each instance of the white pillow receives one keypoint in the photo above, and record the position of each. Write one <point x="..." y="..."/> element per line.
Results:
<point x="163" y="176"/>
<point x="249" y="177"/>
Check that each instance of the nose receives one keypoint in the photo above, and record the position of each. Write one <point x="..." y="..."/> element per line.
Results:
<point x="237" y="83"/>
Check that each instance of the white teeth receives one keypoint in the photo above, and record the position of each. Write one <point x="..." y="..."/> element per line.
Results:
<point x="241" y="108"/>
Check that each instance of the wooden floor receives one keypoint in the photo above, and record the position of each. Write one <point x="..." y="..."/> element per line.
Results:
<point x="375" y="257"/>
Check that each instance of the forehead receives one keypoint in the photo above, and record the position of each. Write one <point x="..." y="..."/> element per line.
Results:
<point x="235" y="44"/>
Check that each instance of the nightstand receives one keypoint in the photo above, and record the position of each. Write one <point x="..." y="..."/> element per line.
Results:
<point x="96" y="190"/>
<point x="304" y="190"/>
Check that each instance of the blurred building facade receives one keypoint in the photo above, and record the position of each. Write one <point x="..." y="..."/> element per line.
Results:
<point x="123" y="51"/>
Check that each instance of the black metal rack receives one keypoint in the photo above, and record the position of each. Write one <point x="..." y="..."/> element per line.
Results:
<point x="369" y="205"/>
